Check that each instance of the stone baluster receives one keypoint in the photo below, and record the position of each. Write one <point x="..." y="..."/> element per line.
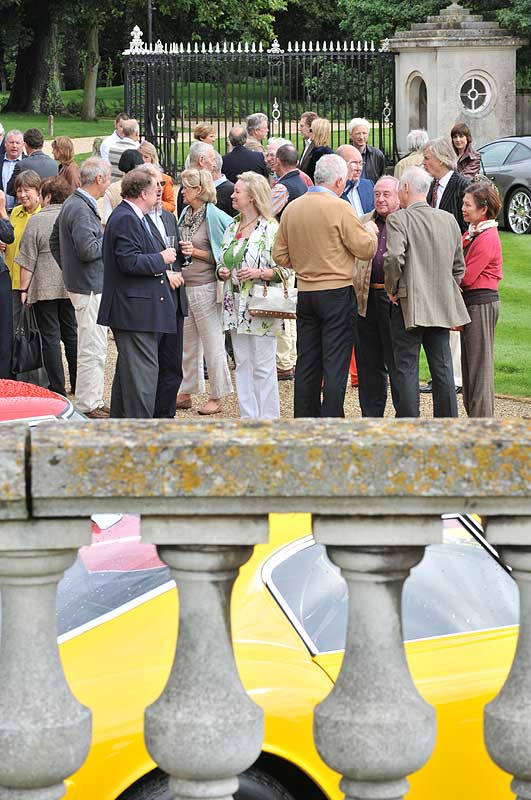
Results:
<point x="44" y="732"/>
<point x="204" y="729"/>
<point x="374" y="728"/>
<point x="507" y="719"/>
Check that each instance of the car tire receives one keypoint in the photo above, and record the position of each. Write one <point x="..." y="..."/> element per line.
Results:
<point x="254" y="785"/>
<point x="518" y="211"/>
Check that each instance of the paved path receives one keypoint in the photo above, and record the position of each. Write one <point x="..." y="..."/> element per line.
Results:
<point x="81" y="145"/>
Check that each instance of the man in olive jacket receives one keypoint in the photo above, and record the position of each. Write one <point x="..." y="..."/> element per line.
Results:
<point x="423" y="268"/>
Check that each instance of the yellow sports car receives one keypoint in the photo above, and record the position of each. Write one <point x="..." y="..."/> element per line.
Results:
<point x="117" y="616"/>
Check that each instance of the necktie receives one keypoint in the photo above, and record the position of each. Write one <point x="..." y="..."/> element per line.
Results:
<point x="146" y="226"/>
<point x="435" y="190"/>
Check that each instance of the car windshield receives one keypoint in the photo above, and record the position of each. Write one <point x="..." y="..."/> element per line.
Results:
<point x="457" y="587"/>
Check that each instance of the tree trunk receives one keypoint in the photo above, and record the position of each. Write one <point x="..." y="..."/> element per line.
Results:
<point x="51" y="100"/>
<point x="32" y="59"/>
<point x="88" y="110"/>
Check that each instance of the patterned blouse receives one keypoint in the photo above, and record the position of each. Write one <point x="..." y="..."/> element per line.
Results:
<point x="257" y="254"/>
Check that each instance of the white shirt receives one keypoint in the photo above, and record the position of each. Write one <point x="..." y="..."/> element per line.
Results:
<point x="354" y="200"/>
<point x="156" y="217"/>
<point x="107" y="144"/>
<point x="443" y="183"/>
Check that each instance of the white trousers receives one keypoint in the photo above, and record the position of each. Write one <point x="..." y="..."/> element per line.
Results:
<point x="91" y="351"/>
<point x="203" y="334"/>
<point x="287" y="341"/>
<point x="256" y="375"/>
<point x="455" y="347"/>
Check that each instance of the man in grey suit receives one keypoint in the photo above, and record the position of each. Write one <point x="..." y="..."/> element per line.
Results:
<point x="423" y="268"/>
<point x="37" y="160"/>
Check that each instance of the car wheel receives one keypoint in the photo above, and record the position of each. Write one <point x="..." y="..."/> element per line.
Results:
<point x="518" y="213"/>
<point x="254" y="785"/>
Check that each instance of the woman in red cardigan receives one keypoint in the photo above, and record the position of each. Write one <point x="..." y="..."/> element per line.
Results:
<point x="483" y="272"/>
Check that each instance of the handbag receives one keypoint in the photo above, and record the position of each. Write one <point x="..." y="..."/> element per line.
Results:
<point x="27" y="344"/>
<point x="273" y="301"/>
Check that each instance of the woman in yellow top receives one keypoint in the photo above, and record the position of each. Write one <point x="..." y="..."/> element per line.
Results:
<point x="27" y="187"/>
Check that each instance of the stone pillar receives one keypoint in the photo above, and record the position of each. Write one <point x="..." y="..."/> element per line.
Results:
<point x="204" y="729"/>
<point x="374" y="728"/>
<point x="507" y="718"/>
<point x="463" y="69"/>
<point x="44" y="732"/>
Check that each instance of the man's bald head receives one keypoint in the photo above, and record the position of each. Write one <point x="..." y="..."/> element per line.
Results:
<point x="353" y="159"/>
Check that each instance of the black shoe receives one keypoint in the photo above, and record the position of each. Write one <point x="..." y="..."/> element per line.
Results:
<point x="426" y="389"/>
<point x="459" y="390"/>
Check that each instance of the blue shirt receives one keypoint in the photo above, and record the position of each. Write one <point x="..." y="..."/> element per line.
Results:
<point x="8" y="168"/>
<point x="321" y="189"/>
<point x="89" y="197"/>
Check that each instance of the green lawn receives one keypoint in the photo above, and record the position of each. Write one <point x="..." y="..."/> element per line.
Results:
<point x="512" y="344"/>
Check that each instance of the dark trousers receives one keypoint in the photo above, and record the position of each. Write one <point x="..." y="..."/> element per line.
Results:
<point x="57" y="323"/>
<point x="406" y="347"/>
<point x="170" y="371"/>
<point x="374" y="356"/>
<point x="325" y="334"/>
<point x="6" y="325"/>
<point x="134" y="387"/>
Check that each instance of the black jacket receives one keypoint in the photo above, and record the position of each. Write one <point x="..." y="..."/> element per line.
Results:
<point x="452" y="199"/>
<point x="295" y="186"/>
<point x="374" y="163"/>
<point x="224" y="197"/>
<point x="241" y="159"/>
<point x="317" y="153"/>
<point x="172" y="229"/>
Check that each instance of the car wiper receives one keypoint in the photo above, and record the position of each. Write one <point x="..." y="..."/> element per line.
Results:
<point x="473" y="527"/>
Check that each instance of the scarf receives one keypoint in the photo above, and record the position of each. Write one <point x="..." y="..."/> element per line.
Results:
<point x="192" y="221"/>
<point x="474" y="230"/>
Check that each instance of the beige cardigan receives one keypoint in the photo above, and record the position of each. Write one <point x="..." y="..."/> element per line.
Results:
<point x="35" y="256"/>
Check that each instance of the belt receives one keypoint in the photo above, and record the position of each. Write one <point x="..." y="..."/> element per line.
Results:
<point x="377" y="285"/>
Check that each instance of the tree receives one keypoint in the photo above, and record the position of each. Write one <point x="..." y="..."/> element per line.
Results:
<point x="88" y="110"/>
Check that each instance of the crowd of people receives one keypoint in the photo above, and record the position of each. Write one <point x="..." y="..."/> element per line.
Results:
<point x="383" y="264"/>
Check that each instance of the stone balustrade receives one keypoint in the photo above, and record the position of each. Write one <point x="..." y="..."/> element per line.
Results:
<point x="376" y="490"/>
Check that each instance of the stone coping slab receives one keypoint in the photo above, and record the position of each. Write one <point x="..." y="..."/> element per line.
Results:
<point x="246" y="467"/>
<point x="14" y="437"/>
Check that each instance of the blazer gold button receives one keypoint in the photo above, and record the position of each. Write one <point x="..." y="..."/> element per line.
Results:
<point x="162" y="281"/>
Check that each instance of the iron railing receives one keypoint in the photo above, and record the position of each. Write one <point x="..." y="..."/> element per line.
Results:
<point x="170" y="88"/>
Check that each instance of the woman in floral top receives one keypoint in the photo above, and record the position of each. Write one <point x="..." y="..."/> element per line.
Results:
<point x="246" y="262"/>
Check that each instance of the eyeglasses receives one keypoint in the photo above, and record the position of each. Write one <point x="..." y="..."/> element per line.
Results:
<point x="161" y="183"/>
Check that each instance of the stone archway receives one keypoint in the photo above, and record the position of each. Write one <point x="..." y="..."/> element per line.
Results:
<point x="418" y="103"/>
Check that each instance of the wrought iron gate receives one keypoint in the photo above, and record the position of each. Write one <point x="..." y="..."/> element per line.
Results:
<point x="170" y="88"/>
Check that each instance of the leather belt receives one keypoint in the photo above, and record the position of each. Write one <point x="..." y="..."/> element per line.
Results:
<point x="377" y="285"/>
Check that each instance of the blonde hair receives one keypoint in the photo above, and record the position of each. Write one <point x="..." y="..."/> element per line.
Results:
<point x="321" y="132"/>
<point x="148" y="149"/>
<point x="260" y="192"/>
<point x="203" y="130"/>
<point x="65" y="148"/>
<point x="192" y="178"/>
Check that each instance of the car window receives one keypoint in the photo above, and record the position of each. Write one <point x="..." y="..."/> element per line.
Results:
<point x="456" y="588"/>
<point x="494" y="155"/>
<point x="520" y="153"/>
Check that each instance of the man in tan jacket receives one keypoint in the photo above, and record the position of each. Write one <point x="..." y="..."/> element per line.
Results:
<point x="374" y="346"/>
<point x="319" y="237"/>
<point x="423" y="268"/>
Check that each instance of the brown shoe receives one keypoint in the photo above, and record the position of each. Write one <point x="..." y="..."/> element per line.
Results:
<point x="98" y="413"/>
<point x="183" y="405"/>
<point x="285" y="374"/>
<point x="210" y="407"/>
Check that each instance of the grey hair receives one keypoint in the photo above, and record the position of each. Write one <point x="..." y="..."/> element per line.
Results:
<point x="218" y="160"/>
<point x="151" y="169"/>
<point x="254" y="121"/>
<point x="197" y="150"/>
<point x="443" y="151"/>
<point x="129" y="126"/>
<point x="417" y="179"/>
<point x="388" y="178"/>
<point x="358" y="121"/>
<point x="237" y="135"/>
<point x="328" y="169"/>
<point x="14" y="132"/>
<point x="279" y="141"/>
<point x="416" y="139"/>
<point x="93" y="168"/>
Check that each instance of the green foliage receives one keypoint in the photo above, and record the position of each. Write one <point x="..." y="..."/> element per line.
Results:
<point x="377" y="19"/>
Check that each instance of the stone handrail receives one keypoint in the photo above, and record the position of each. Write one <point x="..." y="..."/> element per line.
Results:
<point x="376" y="490"/>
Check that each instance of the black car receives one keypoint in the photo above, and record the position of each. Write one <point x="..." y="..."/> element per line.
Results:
<point x="507" y="162"/>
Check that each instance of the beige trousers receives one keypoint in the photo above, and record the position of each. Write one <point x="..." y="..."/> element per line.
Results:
<point x="91" y="351"/>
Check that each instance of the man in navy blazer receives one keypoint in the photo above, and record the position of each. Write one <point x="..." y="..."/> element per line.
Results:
<point x="137" y="300"/>
<point x="359" y="192"/>
<point x="241" y="159"/>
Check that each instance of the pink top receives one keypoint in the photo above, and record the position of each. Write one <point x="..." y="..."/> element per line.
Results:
<point x="483" y="261"/>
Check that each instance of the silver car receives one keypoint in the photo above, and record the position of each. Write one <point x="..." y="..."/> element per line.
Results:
<point x="507" y="162"/>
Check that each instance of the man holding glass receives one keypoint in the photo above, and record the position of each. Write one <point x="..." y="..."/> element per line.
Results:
<point x="166" y="233"/>
<point x="137" y="300"/>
